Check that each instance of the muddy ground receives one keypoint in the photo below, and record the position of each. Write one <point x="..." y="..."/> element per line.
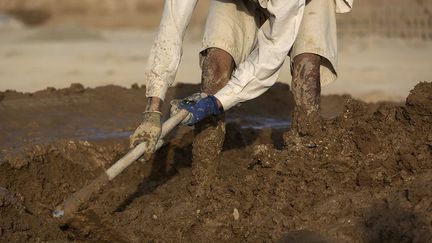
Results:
<point x="366" y="178"/>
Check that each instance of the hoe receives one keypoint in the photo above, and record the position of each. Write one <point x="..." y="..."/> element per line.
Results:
<point x="73" y="202"/>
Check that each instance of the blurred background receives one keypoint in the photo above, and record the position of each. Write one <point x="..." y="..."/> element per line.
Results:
<point x="385" y="46"/>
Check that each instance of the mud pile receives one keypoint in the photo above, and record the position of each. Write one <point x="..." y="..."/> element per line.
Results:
<point x="365" y="178"/>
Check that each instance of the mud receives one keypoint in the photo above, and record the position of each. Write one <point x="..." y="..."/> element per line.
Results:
<point x="217" y="67"/>
<point x="365" y="178"/>
<point x="306" y="89"/>
<point x="207" y="146"/>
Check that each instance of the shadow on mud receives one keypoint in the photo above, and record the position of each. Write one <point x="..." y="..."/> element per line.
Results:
<point x="392" y="223"/>
<point x="250" y="123"/>
<point x="161" y="172"/>
<point x="303" y="236"/>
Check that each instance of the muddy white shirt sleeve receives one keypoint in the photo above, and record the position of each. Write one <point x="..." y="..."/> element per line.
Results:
<point x="261" y="68"/>
<point x="166" y="51"/>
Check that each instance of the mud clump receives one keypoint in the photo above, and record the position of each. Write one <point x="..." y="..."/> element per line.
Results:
<point x="37" y="180"/>
<point x="419" y="103"/>
<point x="365" y="178"/>
<point x="207" y="146"/>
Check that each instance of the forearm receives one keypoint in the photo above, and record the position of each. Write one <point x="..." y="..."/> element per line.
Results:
<point x="154" y="104"/>
<point x="166" y="51"/>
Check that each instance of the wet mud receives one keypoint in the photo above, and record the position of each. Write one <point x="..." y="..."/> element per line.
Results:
<point x="206" y="149"/>
<point x="364" y="178"/>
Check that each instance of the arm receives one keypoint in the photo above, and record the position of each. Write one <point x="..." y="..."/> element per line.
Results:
<point x="166" y="51"/>
<point x="261" y="69"/>
<point x="162" y="66"/>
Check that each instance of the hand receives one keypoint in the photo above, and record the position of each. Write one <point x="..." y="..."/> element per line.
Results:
<point x="148" y="132"/>
<point x="175" y="105"/>
<point x="199" y="106"/>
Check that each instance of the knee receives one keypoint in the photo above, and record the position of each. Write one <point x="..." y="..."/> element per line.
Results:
<point x="306" y="66"/>
<point x="217" y="67"/>
<point x="309" y="58"/>
<point x="216" y="58"/>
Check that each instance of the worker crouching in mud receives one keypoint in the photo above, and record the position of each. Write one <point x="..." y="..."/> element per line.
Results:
<point x="241" y="59"/>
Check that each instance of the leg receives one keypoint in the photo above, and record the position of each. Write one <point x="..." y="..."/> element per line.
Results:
<point x="230" y="35"/>
<point x="217" y="66"/>
<point x="306" y="88"/>
<point x="314" y="63"/>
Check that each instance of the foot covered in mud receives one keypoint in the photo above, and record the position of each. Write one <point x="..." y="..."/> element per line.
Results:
<point x="147" y="132"/>
<point x="199" y="105"/>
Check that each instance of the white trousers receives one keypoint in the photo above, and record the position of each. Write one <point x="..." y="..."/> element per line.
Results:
<point x="232" y="25"/>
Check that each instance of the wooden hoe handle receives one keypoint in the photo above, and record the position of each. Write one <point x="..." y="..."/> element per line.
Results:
<point x="73" y="202"/>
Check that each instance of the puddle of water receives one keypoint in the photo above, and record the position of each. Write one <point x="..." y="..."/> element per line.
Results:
<point x="91" y="133"/>
<point x="105" y="135"/>
<point x="259" y="122"/>
<point x="246" y="122"/>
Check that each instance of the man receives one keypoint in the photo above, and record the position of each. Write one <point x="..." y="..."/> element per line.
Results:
<point x="240" y="61"/>
<point x="272" y="45"/>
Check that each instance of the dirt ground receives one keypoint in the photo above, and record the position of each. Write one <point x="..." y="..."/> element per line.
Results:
<point x="365" y="178"/>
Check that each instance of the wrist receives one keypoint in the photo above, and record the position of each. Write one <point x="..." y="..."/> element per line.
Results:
<point x="154" y="104"/>
<point x="219" y="104"/>
<point x="216" y="110"/>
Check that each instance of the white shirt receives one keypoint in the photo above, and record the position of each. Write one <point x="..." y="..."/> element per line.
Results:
<point x="166" y="51"/>
<point x="344" y="6"/>
<point x="252" y="77"/>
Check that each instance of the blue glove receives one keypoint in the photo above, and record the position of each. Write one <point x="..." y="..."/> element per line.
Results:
<point x="200" y="109"/>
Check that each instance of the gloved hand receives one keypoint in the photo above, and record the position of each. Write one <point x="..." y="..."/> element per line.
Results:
<point x="199" y="105"/>
<point x="149" y="132"/>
